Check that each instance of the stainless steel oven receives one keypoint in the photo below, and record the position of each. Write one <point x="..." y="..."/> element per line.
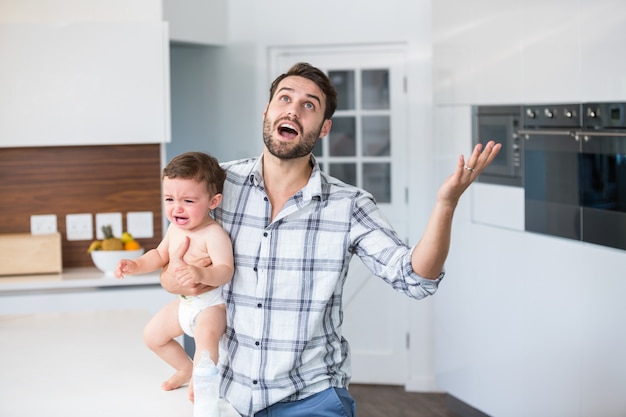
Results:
<point x="501" y="124"/>
<point x="551" y="166"/>
<point x="603" y="174"/>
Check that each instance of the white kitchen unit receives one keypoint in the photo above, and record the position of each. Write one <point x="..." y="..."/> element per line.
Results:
<point x="95" y="83"/>
<point x="197" y="21"/>
<point x="602" y="67"/>
<point x="498" y="52"/>
<point x="477" y="52"/>
<point x="80" y="289"/>
<point x="85" y="364"/>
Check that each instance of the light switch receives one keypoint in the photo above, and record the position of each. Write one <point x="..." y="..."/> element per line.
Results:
<point x="140" y="224"/>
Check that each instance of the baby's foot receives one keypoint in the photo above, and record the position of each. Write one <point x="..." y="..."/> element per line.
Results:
<point x="176" y="381"/>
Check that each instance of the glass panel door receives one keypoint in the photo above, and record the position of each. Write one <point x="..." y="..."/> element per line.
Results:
<point x="359" y="144"/>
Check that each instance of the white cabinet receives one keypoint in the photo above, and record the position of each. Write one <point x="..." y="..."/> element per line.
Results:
<point x="551" y="51"/>
<point x="84" y="84"/>
<point x="197" y="21"/>
<point x="535" y="51"/>
<point x="477" y="52"/>
<point x="603" y="67"/>
<point x="453" y="62"/>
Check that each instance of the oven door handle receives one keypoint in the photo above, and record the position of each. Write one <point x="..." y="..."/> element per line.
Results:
<point x="601" y="133"/>
<point x="547" y="132"/>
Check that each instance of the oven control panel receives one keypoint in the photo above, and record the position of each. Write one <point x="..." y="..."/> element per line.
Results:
<point x="551" y="115"/>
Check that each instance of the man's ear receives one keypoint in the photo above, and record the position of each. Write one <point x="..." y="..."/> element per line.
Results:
<point x="326" y="127"/>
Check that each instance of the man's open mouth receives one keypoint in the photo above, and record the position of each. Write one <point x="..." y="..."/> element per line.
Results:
<point x="287" y="130"/>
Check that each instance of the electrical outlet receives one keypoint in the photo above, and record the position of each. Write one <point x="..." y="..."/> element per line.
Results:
<point x="109" y="219"/>
<point x="140" y="224"/>
<point x="43" y="224"/>
<point x="79" y="226"/>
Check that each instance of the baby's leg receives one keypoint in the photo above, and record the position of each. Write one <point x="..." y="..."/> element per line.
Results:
<point x="159" y="336"/>
<point x="209" y="327"/>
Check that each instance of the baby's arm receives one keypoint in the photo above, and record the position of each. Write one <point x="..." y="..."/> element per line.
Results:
<point x="220" y="271"/>
<point x="148" y="262"/>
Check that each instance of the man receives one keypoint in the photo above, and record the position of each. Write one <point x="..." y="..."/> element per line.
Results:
<point x="294" y="230"/>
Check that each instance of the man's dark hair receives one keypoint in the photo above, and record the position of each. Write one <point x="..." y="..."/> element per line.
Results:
<point x="308" y="71"/>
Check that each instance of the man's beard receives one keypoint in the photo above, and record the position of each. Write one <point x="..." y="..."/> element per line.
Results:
<point x="286" y="150"/>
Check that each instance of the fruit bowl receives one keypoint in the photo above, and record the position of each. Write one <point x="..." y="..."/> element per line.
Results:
<point x="107" y="260"/>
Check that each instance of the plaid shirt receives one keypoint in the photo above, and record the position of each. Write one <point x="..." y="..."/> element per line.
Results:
<point x="284" y="339"/>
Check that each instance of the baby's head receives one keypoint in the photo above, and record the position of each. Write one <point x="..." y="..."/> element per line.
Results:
<point x="197" y="166"/>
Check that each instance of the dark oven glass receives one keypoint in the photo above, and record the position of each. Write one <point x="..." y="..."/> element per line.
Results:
<point x="497" y="128"/>
<point x="603" y="189"/>
<point x="506" y="167"/>
<point x="550" y="185"/>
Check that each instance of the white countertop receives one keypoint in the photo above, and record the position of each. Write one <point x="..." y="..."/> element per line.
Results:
<point x="74" y="278"/>
<point x="85" y="364"/>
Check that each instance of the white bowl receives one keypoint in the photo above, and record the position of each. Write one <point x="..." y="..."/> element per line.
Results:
<point x="107" y="260"/>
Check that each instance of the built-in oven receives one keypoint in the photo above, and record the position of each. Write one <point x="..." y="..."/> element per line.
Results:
<point x="603" y="174"/>
<point x="500" y="124"/>
<point x="551" y="166"/>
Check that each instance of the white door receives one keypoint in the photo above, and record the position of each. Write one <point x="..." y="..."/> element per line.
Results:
<point x="367" y="147"/>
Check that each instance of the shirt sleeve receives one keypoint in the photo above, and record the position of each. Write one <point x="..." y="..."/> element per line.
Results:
<point x="379" y="247"/>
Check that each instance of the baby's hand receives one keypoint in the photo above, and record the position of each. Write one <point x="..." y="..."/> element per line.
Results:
<point x="125" y="266"/>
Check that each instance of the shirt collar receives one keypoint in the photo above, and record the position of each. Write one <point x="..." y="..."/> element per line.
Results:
<point x="312" y="189"/>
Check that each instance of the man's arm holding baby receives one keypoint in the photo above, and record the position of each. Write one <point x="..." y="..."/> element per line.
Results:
<point x="170" y="283"/>
<point x="220" y="271"/>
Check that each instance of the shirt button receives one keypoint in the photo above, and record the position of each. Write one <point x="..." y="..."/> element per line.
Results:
<point x="255" y="382"/>
<point x="259" y="305"/>
<point x="255" y="269"/>
<point x="265" y="198"/>
<point x="257" y="343"/>
<point x="264" y="234"/>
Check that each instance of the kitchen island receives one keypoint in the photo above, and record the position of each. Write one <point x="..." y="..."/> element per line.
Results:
<point x="85" y="364"/>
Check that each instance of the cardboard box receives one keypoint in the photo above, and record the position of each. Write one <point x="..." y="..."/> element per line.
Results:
<point x="24" y="254"/>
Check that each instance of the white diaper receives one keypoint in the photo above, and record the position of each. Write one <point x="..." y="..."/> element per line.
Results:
<point x="190" y="306"/>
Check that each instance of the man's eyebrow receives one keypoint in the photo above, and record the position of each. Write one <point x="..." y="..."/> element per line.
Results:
<point x="291" y="90"/>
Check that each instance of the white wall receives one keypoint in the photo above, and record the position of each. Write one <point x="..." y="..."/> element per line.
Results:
<point x="526" y="324"/>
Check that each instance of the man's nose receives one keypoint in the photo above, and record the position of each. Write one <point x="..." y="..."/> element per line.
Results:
<point x="293" y="112"/>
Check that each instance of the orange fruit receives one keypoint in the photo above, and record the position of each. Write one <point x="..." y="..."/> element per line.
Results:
<point x="132" y="245"/>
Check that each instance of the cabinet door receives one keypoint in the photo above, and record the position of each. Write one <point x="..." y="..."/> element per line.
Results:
<point x="602" y="33"/>
<point x="551" y="52"/>
<point x="477" y="51"/>
<point x="84" y="84"/>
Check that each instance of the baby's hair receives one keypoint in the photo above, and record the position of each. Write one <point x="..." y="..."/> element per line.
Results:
<point x="198" y="166"/>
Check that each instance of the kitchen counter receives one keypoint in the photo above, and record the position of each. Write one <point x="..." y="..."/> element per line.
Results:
<point x="85" y="364"/>
<point x="80" y="289"/>
<point x="72" y="279"/>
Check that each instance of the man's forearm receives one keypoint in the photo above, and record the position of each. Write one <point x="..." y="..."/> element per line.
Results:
<point x="170" y="284"/>
<point x="431" y="252"/>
